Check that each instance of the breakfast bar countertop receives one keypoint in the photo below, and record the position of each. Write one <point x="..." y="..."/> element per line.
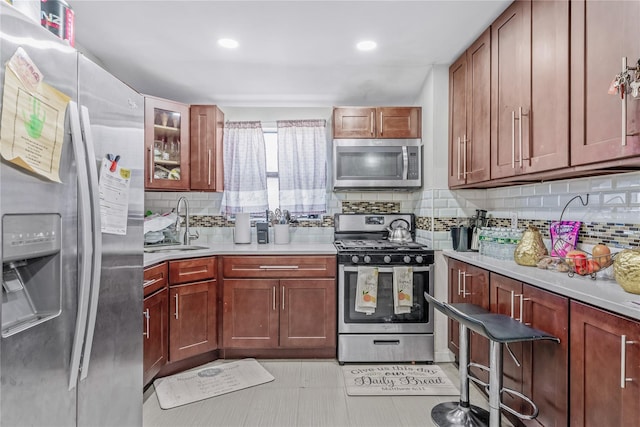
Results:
<point x="603" y="292"/>
<point x="230" y="248"/>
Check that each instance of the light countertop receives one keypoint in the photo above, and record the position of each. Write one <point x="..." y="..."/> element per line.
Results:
<point x="603" y="292"/>
<point x="244" y="249"/>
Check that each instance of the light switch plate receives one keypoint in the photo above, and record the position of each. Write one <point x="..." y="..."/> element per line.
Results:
<point x="514" y="220"/>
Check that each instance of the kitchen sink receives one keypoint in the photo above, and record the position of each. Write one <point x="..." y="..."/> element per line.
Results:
<point x="173" y="248"/>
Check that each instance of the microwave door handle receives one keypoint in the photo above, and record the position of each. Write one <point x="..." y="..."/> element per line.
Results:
<point x="405" y="163"/>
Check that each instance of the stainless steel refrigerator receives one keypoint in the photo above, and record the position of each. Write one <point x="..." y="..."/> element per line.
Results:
<point x="71" y="345"/>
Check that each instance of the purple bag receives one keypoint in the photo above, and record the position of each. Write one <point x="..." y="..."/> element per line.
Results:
<point x="564" y="236"/>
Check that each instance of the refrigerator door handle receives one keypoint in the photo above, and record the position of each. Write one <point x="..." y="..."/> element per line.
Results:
<point x="96" y="232"/>
<point x="85" y="243"/>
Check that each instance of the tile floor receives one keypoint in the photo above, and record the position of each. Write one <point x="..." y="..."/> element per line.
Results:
<point x="304" y="393"/>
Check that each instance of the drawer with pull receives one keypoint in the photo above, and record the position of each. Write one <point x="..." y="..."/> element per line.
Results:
<point x="279" y="266"/>
<point x="192" y="270"/>
<point x="155" y="278"/>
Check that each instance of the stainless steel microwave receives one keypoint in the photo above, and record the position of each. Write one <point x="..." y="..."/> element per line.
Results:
<point x="377" y="164"/>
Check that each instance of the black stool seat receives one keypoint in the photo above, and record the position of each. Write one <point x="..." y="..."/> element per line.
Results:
<point x="499" y="329"/>
<point x="496" y="327"/>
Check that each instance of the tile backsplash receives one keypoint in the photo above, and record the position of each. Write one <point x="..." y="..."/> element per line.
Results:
<point x="611" y="214"/>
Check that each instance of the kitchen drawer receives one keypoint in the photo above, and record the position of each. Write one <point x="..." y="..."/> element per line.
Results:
<point x="155" y="278"/>
<point x="192" y="270"/>
<point x="279" y="266"/>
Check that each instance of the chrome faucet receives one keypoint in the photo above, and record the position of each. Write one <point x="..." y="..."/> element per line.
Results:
<point x="188" y="237"/>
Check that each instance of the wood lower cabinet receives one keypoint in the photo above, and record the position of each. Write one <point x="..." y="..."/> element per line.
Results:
<point x="308" y="313"/>
<point x="469" y="284"/>
<point x="377" y="122"/>
<point x="543" y="372"/>
<point x="601" y="34"/>
<point x="272" y="302"/>
<point x="605" y="368"/>
<point x="470" y="113"/>
<point x="207" y="126"/>
<point x="155" y="321"/>
<point x="192" y="307"/>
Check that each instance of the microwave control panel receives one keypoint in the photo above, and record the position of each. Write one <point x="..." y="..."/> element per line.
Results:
<point x="414" y="159"/>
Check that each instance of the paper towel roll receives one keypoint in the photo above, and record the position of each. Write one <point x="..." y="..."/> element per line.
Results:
<point x="242" y="230"/>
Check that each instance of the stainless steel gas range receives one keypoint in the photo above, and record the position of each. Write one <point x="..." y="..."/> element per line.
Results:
<point x="387" y="332"/>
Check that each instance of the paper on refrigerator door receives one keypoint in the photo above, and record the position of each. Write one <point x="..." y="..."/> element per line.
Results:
<point x="33" y="119"/>
<point x="114" y="198"/>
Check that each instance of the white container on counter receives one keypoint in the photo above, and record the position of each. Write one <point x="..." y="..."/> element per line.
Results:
<point x="242" y="230"/>
<point x="281" y="234"/>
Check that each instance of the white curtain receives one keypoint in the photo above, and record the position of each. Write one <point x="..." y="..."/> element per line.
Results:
<point x="302" y="168"/>
<point x="245" y="177"/>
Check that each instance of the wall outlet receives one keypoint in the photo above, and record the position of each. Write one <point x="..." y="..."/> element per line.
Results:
<point x="514" y="220"/>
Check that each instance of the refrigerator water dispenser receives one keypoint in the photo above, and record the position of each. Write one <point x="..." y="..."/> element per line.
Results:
<point x="31" y="278"/>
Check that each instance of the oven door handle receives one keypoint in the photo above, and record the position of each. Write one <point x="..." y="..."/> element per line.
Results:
<point x="419" y="269"/>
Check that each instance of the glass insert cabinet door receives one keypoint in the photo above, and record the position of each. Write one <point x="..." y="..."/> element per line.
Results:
<point x="167" y="145"/>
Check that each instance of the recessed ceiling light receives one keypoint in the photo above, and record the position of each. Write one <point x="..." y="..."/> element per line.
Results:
<point x="228" y="43"/>
<point x="367" y="45"/>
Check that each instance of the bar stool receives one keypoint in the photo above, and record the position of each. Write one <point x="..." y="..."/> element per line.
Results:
<point x="499" y="329"/>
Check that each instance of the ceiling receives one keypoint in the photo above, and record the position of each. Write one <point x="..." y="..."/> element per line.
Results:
<point x="292" y="53"/>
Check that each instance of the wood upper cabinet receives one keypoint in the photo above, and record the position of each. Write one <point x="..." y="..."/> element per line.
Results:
<point x="605" y="368"/>
<point x="469" y="114"/>
<point x="207" y="126"/>
<point x="155" y="321"/>
<point x="469" y="284"/>
<point x="270" y="302"/>
<point x="166" y="136"/>
<point x="601" y="34"/>
<point x="377" y="122"/>
<point x="530" y="88"/>
<point x="543" y="372"/>
<point x="192" y="307"/>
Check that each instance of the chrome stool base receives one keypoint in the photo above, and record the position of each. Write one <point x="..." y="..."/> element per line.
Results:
<point x="453" y="414"/>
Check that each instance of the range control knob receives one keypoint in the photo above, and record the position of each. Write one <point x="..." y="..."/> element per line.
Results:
<point x="355" y="259"/>
<point x="387" y="259"/>
<point x="367" y="259"/>
<point x="407" y="259"/>
<point x="419" y="259"/>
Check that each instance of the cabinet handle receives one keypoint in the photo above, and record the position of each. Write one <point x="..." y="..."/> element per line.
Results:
<point x="459" y="288"/>
<point x="273" y="293"/>
<point x="151" y="166"/>
<point x="146" y="316"/>
<point x="149" y="282"/>
<point x="623" y="361"/>
<point x="176" y="298"/>
<point x="381" y="123"/>
<point x="459" y="143"/>
<point x="464" y="156"/>
<point x="513" y="297"/>
<point x="209" y="168"/>
<point x="283" y="298"/>
<point x="522" y="300"/>
<point x="513" y="139"/>
<point x="624" y="108"/>
<point x="372" y="119"/>
<point x="464" y="285"/>
<point x="520" y="133"/>
<point x="278" y="267"/>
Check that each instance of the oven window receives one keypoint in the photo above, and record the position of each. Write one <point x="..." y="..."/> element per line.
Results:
<point x="384" y="309"/>
<point x="370" y="162"/>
